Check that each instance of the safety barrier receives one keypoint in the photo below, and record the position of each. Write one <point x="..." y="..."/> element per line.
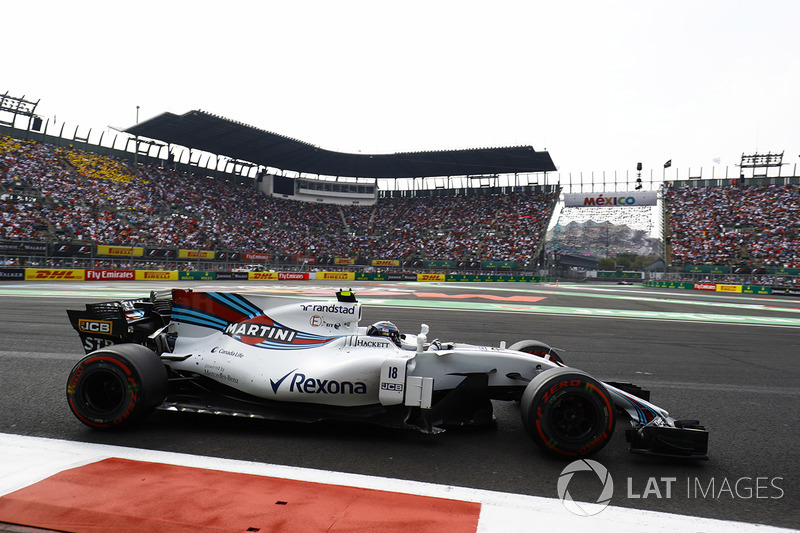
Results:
<point x="78" y="274"/>
<point x="724" y="287"/>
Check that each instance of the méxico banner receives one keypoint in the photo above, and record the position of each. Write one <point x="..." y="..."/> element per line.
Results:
<point x="613" y="199"/>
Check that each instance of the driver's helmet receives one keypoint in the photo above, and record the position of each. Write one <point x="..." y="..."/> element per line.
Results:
<point x="385" y="329"/>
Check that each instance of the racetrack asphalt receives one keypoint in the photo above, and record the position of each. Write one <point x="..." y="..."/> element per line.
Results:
<point x="728" y="360"/>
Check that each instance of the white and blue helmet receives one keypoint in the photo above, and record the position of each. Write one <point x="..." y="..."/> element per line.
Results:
<point x="385" y="329"/>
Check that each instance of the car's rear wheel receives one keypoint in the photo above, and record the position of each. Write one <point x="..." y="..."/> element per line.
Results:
<point x="568" y="413"/>
<point x="114" y="387"/>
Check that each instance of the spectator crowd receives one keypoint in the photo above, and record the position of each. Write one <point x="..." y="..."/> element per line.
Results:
<point x="64" y="194"/>
<point x="750" y="225"/>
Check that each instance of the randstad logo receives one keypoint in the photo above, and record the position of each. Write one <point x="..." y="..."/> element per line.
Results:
<point x="585" y="508"/>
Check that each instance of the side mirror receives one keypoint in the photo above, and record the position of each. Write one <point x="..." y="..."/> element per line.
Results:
<point x="422" y="338"/>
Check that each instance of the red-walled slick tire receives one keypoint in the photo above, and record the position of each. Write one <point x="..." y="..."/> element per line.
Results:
<point x="568" y="413"/>
<point x="114" y="387"/>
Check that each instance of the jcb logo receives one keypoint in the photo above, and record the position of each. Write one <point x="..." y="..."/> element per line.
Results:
<point x="94" y="326"/>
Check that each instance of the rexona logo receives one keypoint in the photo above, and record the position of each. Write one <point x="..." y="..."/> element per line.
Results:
<point x="302" y="384"/>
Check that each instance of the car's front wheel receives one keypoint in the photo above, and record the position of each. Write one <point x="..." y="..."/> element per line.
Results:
<point x="113" y="387"/>
<point x="537" y="348"/>
<point x="568" y="413"/>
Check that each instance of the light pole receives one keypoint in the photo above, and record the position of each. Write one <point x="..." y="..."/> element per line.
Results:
<point x="136" y="144"/>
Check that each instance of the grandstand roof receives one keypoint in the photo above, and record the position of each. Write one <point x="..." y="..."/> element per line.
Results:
<point x="217" y="135"/>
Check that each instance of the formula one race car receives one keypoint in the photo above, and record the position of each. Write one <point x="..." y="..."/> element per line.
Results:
<point x="302" y="360"/>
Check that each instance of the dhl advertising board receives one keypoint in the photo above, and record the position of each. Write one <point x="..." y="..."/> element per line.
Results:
<point x="262" y="276"/>
<point x="430" y="277"/>
<point x="54" y="274"/>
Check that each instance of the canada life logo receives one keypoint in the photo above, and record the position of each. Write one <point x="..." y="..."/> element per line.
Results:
<point x="585" y="508"/>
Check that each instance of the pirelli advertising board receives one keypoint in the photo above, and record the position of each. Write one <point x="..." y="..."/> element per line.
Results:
<point x="54" y="274"/>
<point x="120" y="251"/>
<point x="196" y="254"/>
<point x="337" y="276"/>
<point x="156" y="275"/>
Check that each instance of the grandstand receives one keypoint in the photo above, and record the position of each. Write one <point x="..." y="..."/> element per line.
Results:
<point x="66" y="195"/>
<point x="68" y="201"/>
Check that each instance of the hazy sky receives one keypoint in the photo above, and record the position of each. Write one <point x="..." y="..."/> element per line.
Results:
<point x="600" y="84"/>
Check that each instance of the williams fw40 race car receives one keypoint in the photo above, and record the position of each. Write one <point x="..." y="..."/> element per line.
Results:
<point x="302" y="360"/>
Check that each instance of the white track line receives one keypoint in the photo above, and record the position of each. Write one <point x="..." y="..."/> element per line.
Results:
<point x="27" y="460"/>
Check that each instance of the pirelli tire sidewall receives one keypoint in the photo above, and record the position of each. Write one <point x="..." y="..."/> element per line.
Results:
<point x="114" y="387"/>
<point x="568" y="413"/>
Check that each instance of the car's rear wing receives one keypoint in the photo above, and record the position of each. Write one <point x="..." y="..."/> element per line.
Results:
<point x="123" y="321"/>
